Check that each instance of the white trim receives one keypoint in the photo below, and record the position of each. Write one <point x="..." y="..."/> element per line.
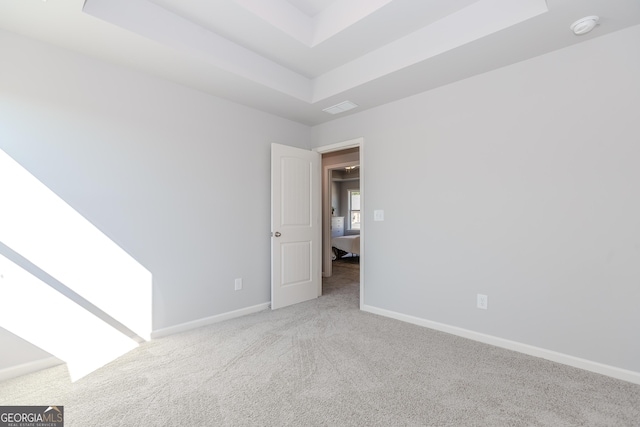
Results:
<point x="565" y="359"/>
<point x="351" y="143"/>
<point x="187" y="326"/>
<point x="28" y="368"/>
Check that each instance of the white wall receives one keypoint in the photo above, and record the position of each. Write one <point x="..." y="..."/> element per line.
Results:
<point x="16" y="351"/>
<point x="335" y="198"/>
<point x="526" y="189"/>
<point x="179" y="179"/>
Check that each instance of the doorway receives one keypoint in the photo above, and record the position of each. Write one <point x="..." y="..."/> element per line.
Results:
<point x="342" y="172"/>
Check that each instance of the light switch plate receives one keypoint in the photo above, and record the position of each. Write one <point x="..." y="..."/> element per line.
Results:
<point x="378" y="215"/>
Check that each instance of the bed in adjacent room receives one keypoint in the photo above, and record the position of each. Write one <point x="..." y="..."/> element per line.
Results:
<point x="345" y="244"/>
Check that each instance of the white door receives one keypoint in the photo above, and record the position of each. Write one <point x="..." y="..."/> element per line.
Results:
<point x="295" y="225"/>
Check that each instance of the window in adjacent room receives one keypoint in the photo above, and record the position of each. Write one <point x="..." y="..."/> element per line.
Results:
<point x="354" y="209"/>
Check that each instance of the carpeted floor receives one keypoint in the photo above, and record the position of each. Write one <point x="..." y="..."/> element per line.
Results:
<point x="325" y="363"/>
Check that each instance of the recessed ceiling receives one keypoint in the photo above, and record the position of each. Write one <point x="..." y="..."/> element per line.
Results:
<point x="294" y="58"/>
<point x="311" y="7"/>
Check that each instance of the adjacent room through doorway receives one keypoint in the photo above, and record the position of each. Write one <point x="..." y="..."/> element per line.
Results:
<point x="342" y="224"/>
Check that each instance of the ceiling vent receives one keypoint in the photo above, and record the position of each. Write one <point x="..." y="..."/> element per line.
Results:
<point x="341" y="108"/>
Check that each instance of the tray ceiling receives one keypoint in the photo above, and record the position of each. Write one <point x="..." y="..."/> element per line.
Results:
<point x="294" y="58"/>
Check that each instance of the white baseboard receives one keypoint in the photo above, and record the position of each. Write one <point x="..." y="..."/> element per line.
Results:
<point x="576" y="362"/>
<point x="159" y="333"/>
<point x="27" y="368"/>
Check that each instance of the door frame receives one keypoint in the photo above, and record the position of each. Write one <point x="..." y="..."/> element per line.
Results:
<point x="326" y="218"/>
<point x="326" y="201"/>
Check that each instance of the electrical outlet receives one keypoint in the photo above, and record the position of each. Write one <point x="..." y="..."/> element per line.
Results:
<point x="483" y="301"/>
<point x="238" y="284"/>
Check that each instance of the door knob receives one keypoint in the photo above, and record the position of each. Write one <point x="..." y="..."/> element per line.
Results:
<point x="278" y="234"/>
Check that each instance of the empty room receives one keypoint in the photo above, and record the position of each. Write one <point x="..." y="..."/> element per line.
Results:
<point x="173" y="174"/>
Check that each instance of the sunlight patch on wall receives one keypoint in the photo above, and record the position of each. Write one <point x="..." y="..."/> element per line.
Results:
<point x="41" y="315"/>
<point x="44" y="229"/>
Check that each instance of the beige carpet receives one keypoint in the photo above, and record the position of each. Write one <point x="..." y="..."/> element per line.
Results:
<point x="326" y="363"/>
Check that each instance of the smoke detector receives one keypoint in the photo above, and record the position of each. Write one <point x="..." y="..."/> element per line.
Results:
<point x="584" y="25"/>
